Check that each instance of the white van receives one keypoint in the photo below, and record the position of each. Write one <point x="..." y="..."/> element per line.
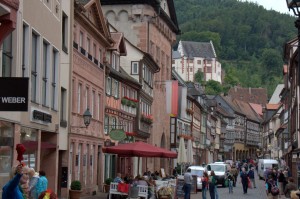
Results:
<point x="263" y="164"/>
<point x="220" y="169"/>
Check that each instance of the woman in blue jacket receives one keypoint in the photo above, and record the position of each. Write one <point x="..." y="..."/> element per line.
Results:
<point x="11" y="190"/>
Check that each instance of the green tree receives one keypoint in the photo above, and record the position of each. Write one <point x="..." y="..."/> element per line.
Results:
<point x="199" y="76"/>
<point x="213" y="87"/>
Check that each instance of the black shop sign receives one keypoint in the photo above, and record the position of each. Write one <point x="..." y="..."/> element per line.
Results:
<point x="14" y="94"/>
<point x="45" y="117"/>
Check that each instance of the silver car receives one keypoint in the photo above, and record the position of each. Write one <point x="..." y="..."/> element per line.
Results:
<point x="198" y="171"/>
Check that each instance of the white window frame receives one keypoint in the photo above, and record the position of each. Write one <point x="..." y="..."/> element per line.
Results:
<point x="54" y="84"/>
<point x="80" y="39"/>
<point x="93" y="109"/>
<point x="25" y="51"/>
<point x="35" y="57"/>
<point x="135" y="68"/>
<point x="108" y="86"/>
<point x="79" y="97"/>
<point x="116" y="89"/>
<point x="87" y="90"/>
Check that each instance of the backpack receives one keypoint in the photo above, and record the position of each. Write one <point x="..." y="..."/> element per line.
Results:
<point x="274" y="190"/>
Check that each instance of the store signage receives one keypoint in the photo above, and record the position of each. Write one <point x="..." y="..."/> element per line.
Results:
<point x="117" y="134"/>
<point x="14" y="94"/>
<point x="45" y="117"/>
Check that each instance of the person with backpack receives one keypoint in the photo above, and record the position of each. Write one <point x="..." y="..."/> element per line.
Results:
<point x="272" y="189"/>
<point x="230" y="179"/>
<point x="204" y="184"/>
<point x="212" y="185"/>
<point x="244" y="179"/>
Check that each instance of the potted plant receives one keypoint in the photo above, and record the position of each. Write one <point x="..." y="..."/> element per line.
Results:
<point x="75" y="190"/>
<point x="107" y="184"/>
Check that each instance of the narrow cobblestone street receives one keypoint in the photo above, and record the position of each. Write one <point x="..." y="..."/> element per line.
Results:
<point x="254" y="193"/>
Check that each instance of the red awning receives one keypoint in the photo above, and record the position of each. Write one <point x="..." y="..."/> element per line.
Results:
<point x="34" y="145"/>
<point x="140" y="149"/>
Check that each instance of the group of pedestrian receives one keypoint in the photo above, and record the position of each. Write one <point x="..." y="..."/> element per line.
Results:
<point x="209" y="183"/>
<point x="25" y="183"/>
<point x="279" y="182"/>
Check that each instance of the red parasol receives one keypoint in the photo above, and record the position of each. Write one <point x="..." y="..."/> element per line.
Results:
<point x="20" y="150"/>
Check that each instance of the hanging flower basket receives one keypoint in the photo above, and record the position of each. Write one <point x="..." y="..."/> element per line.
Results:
<point x="187" y="137"/>
<point x="189" y="111"/>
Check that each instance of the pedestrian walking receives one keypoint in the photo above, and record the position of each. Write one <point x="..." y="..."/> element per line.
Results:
<point x="251" y="177"/>
<point x="42" y="183"/>
<point x="230" y="179"/>
<point x="212" y="185"/>
<point x="33" y="180"/>
<point x="244" y="180"/>
<point x="204" y="184"/>
<point x="235" y="174"/>
<point x="281" y="180"/>
<point x="188" y="179"/>
<point x="291" y="186"/>
<point x="12" y="188"/>
<point x="271" y="188"/>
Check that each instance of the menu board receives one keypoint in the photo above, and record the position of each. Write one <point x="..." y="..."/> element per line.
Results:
<point x="179" y="192"/>
<point x="194" y="184"/>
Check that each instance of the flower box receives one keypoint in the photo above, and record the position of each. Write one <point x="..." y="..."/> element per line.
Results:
<point x="147" y="118"/>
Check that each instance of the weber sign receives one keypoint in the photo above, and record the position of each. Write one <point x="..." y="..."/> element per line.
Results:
<point x="13" y="94"/>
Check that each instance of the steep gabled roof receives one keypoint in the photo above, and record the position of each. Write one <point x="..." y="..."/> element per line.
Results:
<point x="247" y="110"/>
<point x="257" y="108"/>
<point x="176" y="76"/>
<point x="198" y="49"/>
<point x="250" y="95"/>
<point x="176" y="55"/>
<point x="100" y="25"/>
<point x="233" y="105"/>
<point x="119" y="44"/>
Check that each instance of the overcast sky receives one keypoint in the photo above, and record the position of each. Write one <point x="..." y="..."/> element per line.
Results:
<point x="278" y="5"/>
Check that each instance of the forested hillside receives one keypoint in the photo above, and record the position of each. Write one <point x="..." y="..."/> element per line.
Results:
<point x="248" y="39"/>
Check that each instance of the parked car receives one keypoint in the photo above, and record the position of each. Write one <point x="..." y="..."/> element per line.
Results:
<point x="198" y="170"/>
<point x="220" y="169"/>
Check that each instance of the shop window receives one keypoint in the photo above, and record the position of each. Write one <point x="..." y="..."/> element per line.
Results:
<point x="29" y="140"/>
<point x="6" y="151"/>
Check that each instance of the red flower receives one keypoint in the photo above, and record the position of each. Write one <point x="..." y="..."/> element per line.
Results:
<point x="20" y="150"/>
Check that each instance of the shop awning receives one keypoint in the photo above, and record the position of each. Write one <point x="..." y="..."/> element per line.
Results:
<point x="34" y="145"/>
<point x="139" y="149"/>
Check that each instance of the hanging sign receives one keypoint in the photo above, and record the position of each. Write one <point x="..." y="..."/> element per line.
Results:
<point x="14" y="94"/>
<point x="117" y="134"/>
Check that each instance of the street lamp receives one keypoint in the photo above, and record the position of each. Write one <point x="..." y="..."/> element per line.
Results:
<point x="87" y="117"/>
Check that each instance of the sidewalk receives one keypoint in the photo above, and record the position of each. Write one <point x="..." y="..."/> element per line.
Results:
<point x="99" y="195"/>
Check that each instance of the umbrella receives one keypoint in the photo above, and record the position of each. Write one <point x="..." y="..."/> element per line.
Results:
<point x="139" y="149"/>
<point x="181" y="159"/>
<point x="189" y="152"/>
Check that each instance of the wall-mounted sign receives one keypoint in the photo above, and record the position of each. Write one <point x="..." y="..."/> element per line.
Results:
<point x="117" y="134"/>
<point x="45" y="117"/>
<point x="14" y="94"/>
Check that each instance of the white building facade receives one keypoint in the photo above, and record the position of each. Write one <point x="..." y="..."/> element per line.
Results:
<point x="192" y="57"/>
